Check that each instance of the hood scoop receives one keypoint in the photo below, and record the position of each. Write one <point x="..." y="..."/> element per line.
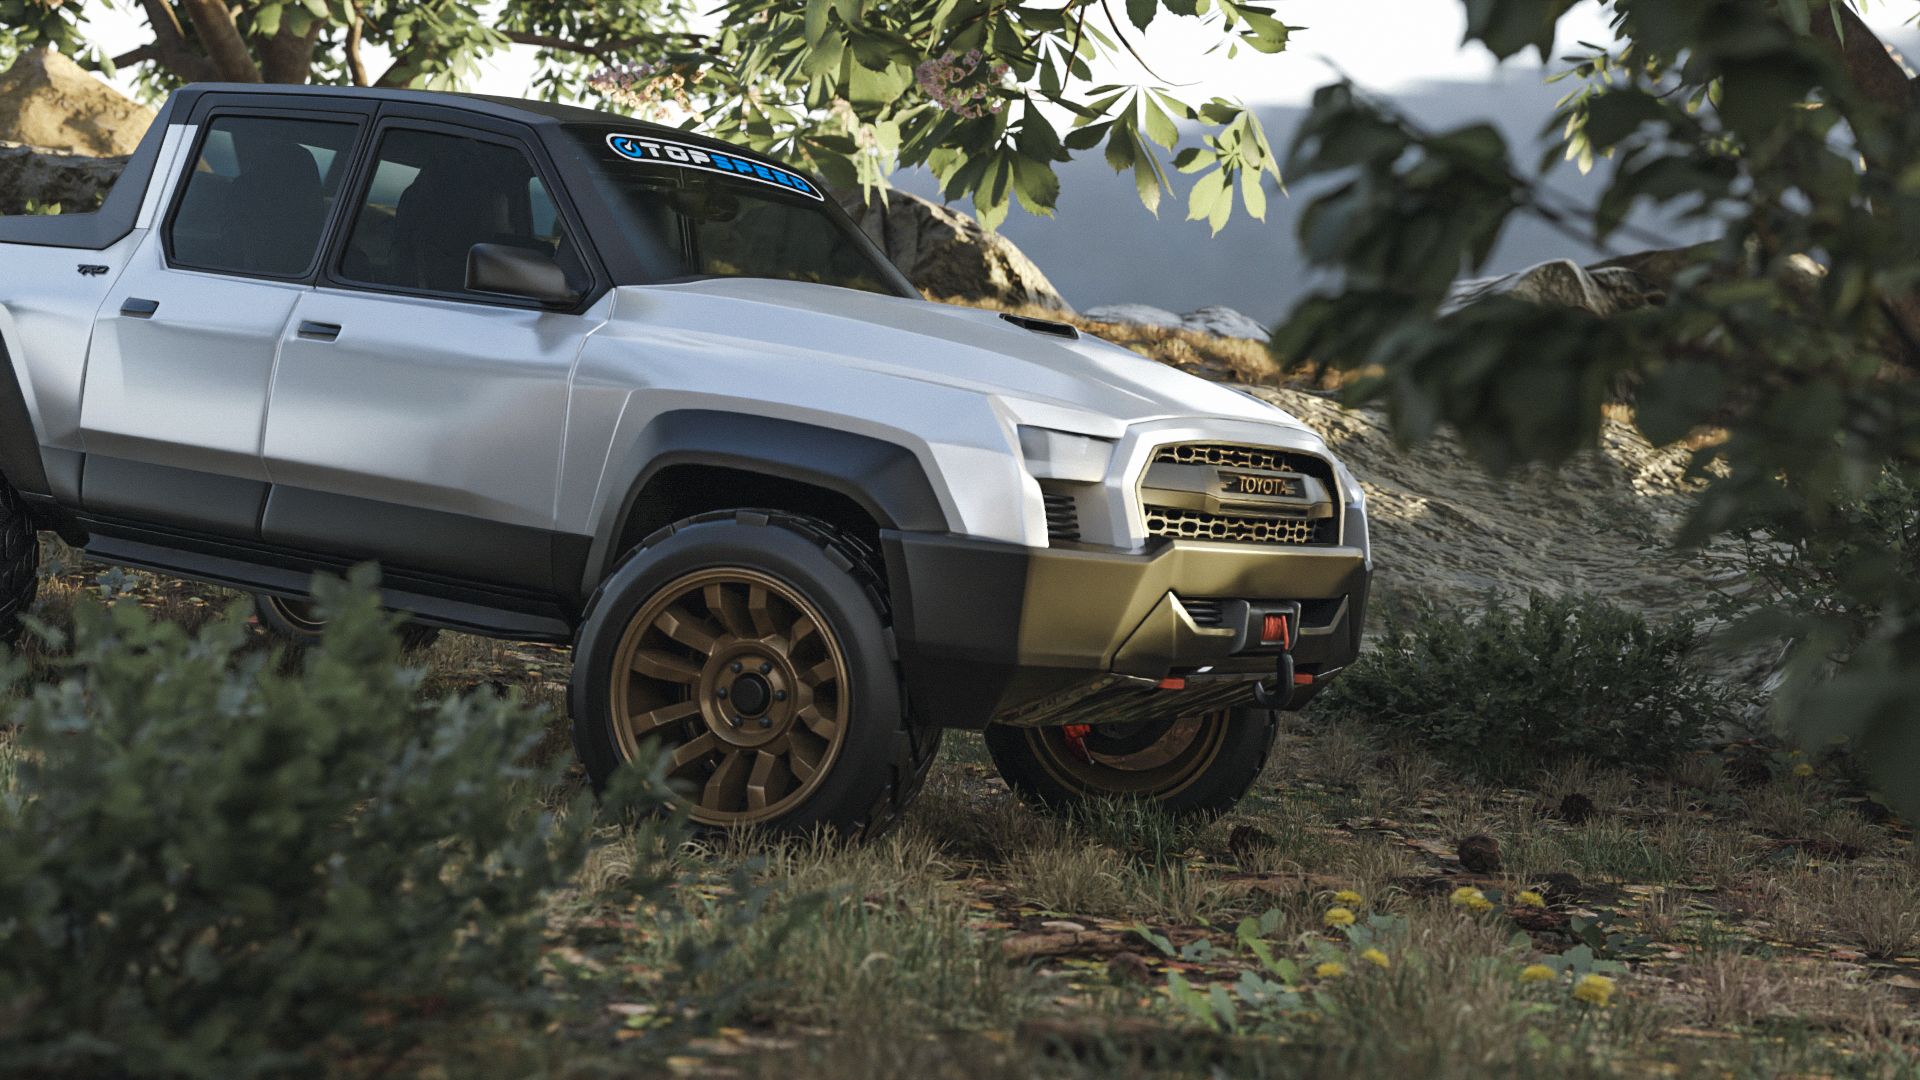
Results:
<point x="1044" y="326"/>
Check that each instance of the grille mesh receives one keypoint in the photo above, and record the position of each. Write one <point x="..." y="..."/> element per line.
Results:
<point x="1230" y="528"/>
<point x="1184" y="524"/>
<point x="1244" y="457"/>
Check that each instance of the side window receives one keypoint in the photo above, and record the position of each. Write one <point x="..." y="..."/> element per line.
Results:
<point x="259" y="194"/>
<point x="433" y="196"/>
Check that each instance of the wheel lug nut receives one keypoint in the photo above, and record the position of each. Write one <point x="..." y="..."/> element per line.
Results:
<point x="736" y="667"/>
<point x="766" y="721"/>
<point x="735" y="721"/>
<point x="765" y="667"/>
<point x="720" y="693"/>
<point x="779" y="695"/>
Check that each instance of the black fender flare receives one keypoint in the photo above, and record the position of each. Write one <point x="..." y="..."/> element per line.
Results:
<point x="884" y="479"/>
<point x="20" y="458"/>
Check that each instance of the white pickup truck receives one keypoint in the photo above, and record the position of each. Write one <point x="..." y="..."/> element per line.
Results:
<point x="573" y="378"/>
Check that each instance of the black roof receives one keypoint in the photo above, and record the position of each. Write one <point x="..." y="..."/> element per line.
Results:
<point x="524" y="110"/>
<point x="546" y="114"/>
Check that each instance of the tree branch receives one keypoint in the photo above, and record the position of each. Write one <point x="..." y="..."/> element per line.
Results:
<point x="170" y="48"/>
<point x="214" y="22"/>
<point x="356" y="67"/>
<point x="140" y="55"/>
<point x="287" y="57"/>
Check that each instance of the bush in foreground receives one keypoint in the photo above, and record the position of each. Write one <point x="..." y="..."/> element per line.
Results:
<point x="1505" y="692"/>
<point x="211" y="865"/>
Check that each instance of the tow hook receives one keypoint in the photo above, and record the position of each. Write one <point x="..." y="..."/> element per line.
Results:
<point x="1280" y="628"/>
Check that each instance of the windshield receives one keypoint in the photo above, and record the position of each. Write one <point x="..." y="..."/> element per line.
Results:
<point x="689" y="211"/>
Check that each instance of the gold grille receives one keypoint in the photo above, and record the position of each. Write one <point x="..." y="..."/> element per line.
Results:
<point x="1237" y="457"/>
<point x="1184" y="524"/>
<point x="1195" y="525"/>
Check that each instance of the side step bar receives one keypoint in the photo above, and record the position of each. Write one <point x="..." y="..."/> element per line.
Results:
<point x="237" y="573"/>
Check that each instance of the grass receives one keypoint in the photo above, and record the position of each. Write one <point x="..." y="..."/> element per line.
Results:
<point x="1777" y="926"/>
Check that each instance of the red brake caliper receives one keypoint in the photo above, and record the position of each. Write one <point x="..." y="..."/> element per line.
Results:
<point x="1076" y="736"/>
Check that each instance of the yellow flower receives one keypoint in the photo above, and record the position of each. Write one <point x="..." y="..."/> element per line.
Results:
<point x="1529" y="898"/>
<point x="1349" y="898"/>
<point x="1803" y="770"/>
<point x="1339" y="916"/>
<point x="1593" y="989"/>
<point x="1376" y="958"/>
<point x="1331" y="969"/>
<point x="1537" y="973"/>
<point x="1466" y="896"/>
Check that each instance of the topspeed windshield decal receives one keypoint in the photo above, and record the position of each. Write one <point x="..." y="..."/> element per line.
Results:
<point x="665" y="152"/>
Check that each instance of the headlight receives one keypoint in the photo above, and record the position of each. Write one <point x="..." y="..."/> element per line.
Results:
<point x="1063" y="455"/>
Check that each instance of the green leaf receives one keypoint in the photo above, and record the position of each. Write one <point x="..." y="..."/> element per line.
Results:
<point x="1122" y="149"/>
<point x="868" y="87"/>
<point x="1254" y="193"/>
<point x="1036" y="184"/>
<point x="1264" y="32"/>
<point x="824" y="59"/>
<point x="1086" y="138"/>
<point x="816" y="21"/>
<point x="1148" y="182"/>
<point x="1141" y="12"/>
<point x="1206" y="195"/>
<point x="1159" y="126"/>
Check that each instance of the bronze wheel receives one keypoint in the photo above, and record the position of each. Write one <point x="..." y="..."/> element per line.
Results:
<point x="741" y="683"/>
<point x="297" y="614"/>
<point x="1153" y="759"/>
<point x="749" y="649"/>
<point x="1193" y="763"/>
<point x="298" y="623"/>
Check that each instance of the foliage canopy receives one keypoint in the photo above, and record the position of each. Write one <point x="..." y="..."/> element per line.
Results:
<point x="1788" y="348"/>
<point x="989" y="95"/>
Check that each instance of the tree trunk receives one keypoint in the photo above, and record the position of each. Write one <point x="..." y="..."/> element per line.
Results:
<point x="170" y="46"/>
<point x="287" y="57"/>
<point x="221" y="36"/>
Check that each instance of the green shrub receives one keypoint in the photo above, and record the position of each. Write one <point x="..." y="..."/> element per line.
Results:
<point x="1506" y="692"/>
<point x="213" y="864"/>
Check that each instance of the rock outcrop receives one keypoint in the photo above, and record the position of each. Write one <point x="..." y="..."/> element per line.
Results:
<point x="1215" y="319"/>
<point x="49" y="102"/>
<point x="31" y="180"/>
<point x="945" y="252"/>
<point x="1603" y="290"/>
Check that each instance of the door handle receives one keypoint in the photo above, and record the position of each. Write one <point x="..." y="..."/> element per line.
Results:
<point x="135" y="307"/>
<point x="318" y="331"/>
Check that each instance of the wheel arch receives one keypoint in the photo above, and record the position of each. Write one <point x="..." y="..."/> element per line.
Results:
<point x="694" y="461"/>
<point x="21" y="461"/>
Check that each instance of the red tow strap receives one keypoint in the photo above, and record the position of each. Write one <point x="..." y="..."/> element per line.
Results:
<point x="1076" y="736"/>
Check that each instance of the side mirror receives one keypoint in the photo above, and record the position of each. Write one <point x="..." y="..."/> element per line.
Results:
<point x="506" y="270"/>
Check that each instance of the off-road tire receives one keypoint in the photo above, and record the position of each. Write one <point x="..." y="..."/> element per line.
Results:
<point x="19" y="562"/>
<point x="1034" y="764"/>
<point x="883" y="756"/>
<point x="293" y="622"/>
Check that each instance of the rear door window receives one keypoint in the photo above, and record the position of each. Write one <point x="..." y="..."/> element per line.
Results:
<point x="259" y="194"/>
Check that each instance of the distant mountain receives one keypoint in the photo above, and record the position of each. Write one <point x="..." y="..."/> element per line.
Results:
<point x="1102" y="247"/>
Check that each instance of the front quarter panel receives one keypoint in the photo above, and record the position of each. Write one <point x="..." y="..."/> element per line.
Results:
<point x="656" y="358"/>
